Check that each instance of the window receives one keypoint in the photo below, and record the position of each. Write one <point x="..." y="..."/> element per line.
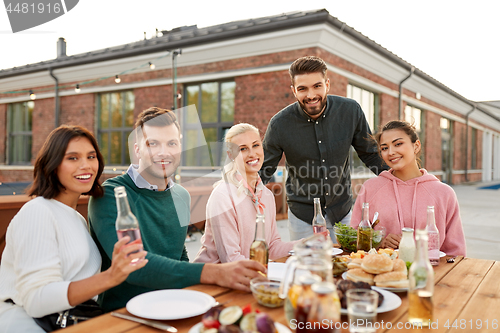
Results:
<point x="214" y="110"/>
<point x="115" y="112"/>
<point x="368" y="102"/>
<point x="446" y="149"/>
<point x="415" y="117"/>
<point x="19" y="135"/>
<point x="473" y="157"/>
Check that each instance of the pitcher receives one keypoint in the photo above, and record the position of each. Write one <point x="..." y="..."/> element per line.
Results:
<point x="311" y="257"/>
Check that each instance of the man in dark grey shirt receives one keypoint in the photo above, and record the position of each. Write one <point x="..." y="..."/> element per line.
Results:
<point x="315" y="134"/>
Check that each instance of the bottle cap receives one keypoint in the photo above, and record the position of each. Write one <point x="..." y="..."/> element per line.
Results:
<point x="120" y="191"/>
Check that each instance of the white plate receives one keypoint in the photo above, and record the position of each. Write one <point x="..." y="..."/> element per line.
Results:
<point x="170" y="304"/>
<point x="441" y="253"/>
<point x="335" y="251"/>
<point x="280" y="327"/>
<point x="394" y="290"/>
<point x="391" y="301"/>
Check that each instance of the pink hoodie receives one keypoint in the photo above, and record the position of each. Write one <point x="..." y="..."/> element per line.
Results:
<point x="404" y="204"/>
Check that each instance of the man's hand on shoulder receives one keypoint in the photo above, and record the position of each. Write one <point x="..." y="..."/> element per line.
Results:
<point x="234" y="275"/>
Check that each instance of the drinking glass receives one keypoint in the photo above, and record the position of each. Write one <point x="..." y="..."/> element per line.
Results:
<point x="362" y="310"/>
<point x="378" y="236"/>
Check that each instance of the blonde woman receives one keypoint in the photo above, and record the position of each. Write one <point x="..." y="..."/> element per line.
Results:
<point x="235" y="201"/>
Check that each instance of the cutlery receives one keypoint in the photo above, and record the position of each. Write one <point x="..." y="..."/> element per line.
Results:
<point x="151" y="323"/>
<point x="223" y="303"/>
<point x="375" y="217"/>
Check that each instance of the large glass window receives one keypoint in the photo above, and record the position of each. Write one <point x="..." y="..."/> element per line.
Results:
<point x="415" y="117"/>
<point x="473" y="157"/>
<point x="19" y="132"/>
<point x="214" y="107"/>
<point x="115" y="123"/>
<point x="446" y="149"/>
<point x="368" y="102"/>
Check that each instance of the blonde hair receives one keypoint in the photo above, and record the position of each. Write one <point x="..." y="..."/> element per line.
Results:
<point x="230" y="169"/>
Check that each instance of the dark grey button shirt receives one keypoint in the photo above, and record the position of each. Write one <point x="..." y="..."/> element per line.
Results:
<point x="317" y="155"/>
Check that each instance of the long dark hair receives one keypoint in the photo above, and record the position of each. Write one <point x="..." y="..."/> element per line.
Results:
<point x="45" y="182"/>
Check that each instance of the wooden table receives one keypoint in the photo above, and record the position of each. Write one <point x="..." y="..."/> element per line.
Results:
<point x="466" y="299"/>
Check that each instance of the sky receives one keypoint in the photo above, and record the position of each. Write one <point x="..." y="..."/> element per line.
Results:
<point x="453" y="41"/>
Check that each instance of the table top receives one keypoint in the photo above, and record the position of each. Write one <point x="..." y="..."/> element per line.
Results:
<point x="466" y="298"/>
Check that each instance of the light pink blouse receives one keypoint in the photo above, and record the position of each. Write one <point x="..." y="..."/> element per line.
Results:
<point x="230" y="225"/>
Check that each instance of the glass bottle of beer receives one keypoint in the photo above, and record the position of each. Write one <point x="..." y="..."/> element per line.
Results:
<point x="126" y="222"/>
<point x="365" y="231"/>
<point x="259" y="250"/>
<point x="421" y="289"/>
<point x="433" y="234"/>
<point x="318" y="222"/>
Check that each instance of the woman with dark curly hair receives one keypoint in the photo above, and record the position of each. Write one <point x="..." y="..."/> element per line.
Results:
<point x="50" y="263"/>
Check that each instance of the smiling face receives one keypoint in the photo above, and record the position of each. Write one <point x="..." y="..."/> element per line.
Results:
<point x="247" y="153"/>
<point x="397" y="150"/>
<point x="77" y="171"/>
<point x="159" y="152"/>
<point x="311" y="92"/>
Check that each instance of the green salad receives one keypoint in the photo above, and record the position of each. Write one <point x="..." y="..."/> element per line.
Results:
<point x="347" y="237"/>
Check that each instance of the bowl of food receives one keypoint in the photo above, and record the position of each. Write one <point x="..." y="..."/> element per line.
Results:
<point x="266" y="292"/>
<point x="346" y="236"/>
<point x="340" y="264"/>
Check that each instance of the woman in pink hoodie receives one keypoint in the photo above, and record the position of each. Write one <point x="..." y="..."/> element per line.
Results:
<point x="402" y="194"/>
<point x="235" y="202"/>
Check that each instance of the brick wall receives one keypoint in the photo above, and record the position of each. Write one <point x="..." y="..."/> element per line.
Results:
<point x="388" y="107"/>
<point x="479" y="147"/>
<point x="259" y="97"/>
<point x="459" y="158"/>
<point x="78" y="110"/>
<point x="432" y="149"/>
<point x="43" y="123"/>
<point x="12" y="176"/>
<point x="3" y="131"/>
<point x="152" y="96"/>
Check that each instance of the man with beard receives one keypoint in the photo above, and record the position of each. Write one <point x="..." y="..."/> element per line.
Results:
<point x="162" y="208"/>
<point x="315" y="134"/>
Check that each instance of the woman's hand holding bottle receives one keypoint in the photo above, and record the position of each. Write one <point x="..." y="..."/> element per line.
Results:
<point x="126" y="259"/>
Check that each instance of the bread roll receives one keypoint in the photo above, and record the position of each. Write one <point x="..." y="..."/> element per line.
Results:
<point x="355" y="263"/>
<point x="395" y="279"/>
<point x="357" y="274"/>
<point x="399" y="266"/>
<point x="377" y="264"/>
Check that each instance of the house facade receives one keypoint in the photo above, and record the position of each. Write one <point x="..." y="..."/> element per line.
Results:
<point x="237" y="72"/>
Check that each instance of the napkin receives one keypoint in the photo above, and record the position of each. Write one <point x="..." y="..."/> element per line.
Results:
<point x="276" y="271"/>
